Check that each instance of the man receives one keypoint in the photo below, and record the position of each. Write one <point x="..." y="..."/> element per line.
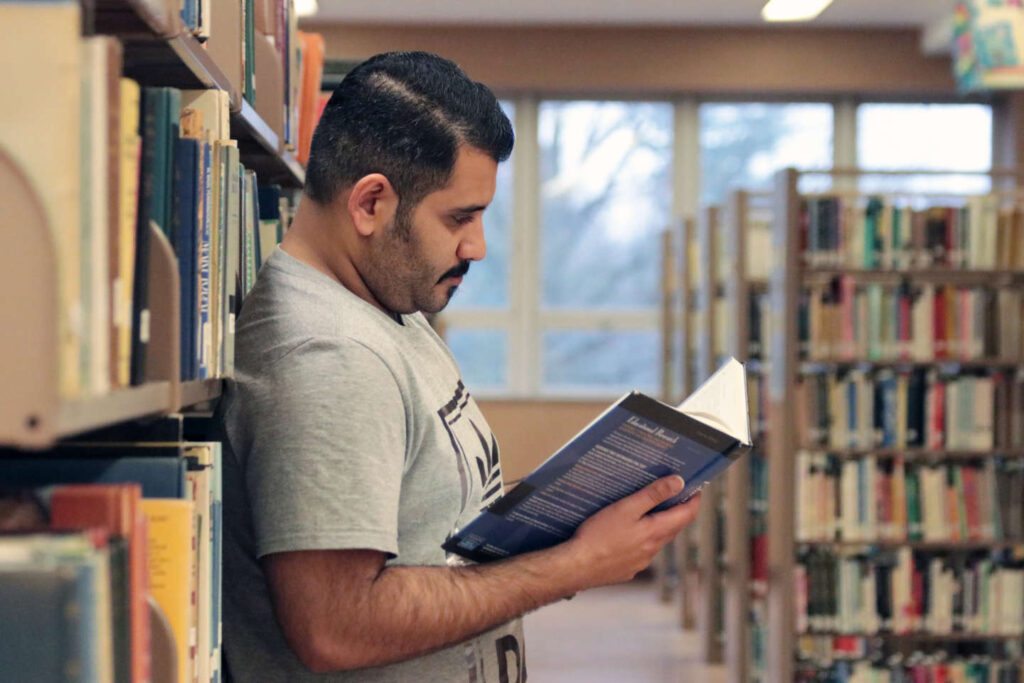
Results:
<point x="355" y="448"/>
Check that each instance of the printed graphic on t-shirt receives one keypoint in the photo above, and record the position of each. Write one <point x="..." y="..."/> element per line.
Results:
<point x="475" y="450"/>
<point x="509" y="658"/>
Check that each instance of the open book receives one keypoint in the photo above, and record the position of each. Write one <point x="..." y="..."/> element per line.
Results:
<point x="635" y="441"/>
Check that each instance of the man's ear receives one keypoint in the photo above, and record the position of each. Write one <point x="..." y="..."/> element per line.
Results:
<point x="372" y="203"/>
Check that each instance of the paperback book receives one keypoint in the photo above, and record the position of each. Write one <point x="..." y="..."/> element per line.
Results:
<point x="637" y="440"/>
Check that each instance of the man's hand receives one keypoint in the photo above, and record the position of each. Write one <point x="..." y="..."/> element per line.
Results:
<point x="622" y="539"/>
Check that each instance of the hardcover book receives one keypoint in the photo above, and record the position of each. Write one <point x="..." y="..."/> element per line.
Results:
<point x="637" y="440"/>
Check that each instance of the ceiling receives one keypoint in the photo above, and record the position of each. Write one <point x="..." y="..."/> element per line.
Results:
<point x="913" y="13"/>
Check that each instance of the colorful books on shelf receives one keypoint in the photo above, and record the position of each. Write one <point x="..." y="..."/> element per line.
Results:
<point x="919" y="408"/>
<point x="56" y="598"/>
<point x="176" y="524"/>
<point x="977" y="232"/>
<point x="849" y="659"/>
<point x="109" y="161"/>
<point x="913" y="321"/>
<point x="888" y="499"/>
<point x="903" y="592"/>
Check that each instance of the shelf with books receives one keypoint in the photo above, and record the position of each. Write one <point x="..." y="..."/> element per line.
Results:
<point x="102" y="283"/>
<point x="871" y="294"/>
<point x="181" y="61"/>
<point x="43" y="396"/>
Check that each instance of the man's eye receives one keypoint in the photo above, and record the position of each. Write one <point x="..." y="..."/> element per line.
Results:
<point x="463" y="220"/>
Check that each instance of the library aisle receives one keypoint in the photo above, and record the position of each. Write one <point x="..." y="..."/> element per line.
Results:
<point x="616" y="634"/>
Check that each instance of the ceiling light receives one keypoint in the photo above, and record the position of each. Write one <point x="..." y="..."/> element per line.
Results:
<point x="793" y="10"/>
<point x="305" y="8"/>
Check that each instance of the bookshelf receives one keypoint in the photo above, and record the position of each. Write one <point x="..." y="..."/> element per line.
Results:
<point x="157" y="51"/>
<point x="140" y="441"/>
<point x="819" y="285"/>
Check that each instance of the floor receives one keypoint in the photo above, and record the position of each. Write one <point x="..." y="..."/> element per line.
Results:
<point x="617" y="634"/>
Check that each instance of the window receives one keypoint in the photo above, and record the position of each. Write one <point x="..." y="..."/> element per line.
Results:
<point x="939" y="137"/>
<point x="743" y="144"/>
<point x="605" y="195"/>
<point x="567" y="300"/>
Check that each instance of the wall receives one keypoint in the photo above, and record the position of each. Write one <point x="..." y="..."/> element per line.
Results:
<point x="529" y="431"/>
<point x="633" y="60"/>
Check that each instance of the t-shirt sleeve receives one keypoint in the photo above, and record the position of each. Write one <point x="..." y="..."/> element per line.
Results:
<point x="328" y="440"/>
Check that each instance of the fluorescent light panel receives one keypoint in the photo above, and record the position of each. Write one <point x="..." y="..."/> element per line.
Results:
<point x="305" y="8"/>
<point x="793" y="10"/>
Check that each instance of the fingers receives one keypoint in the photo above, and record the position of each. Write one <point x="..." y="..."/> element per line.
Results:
<point x="652" y="495"/>
<point x="671" y="521"/>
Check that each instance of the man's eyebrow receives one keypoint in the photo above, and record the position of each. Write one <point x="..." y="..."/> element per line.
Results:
<point x="469" y="209"/>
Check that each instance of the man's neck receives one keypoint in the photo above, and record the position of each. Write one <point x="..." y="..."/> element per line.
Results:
<point x="319" y="239"/>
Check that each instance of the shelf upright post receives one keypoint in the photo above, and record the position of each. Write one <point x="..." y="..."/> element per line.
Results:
<point x="784" y="297"/>
<point x="685" y="540"/>
<point x="737" y="478"/>
<point x="707" y="537"/>
<point x="666" y="568"/>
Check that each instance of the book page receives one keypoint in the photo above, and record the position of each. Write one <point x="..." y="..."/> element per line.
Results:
<point x="721" y="401"/>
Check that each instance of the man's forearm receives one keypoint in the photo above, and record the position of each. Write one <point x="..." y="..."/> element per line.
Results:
<point x="410" y="611"/>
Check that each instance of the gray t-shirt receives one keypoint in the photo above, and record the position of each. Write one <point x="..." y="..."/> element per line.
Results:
<point x="347" y="429"/>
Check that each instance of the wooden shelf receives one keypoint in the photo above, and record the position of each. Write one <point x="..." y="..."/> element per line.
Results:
<point x="75" y="417"/>
<point x="181" y="61"/>
<point x="951" y="546"/>
<point x="145" y="17"/>
<point x="199" y="391"/>
<point x="954" y="276"/>
<point x="915" y="453"/>
<point x="918" y="636"/>
<point x="947" y="365"/>
<point x="177" y="62"/>
<point x="34" y="412"/>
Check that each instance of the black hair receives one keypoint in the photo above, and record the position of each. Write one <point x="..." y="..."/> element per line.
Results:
<point x="404" y="115"/>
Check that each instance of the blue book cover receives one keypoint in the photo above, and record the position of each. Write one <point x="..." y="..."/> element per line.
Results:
<point x="186" y="165"/>
<point x="205" y="273"/>
<point x="217" y="511"/>
<point x="156" y="469"/>
<point x="634" y="442"/>
<point x="41" y="606"/>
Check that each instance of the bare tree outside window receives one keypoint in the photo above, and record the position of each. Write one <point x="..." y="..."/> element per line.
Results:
<point x="606" y="193"/>
<point x="743" y="144"/>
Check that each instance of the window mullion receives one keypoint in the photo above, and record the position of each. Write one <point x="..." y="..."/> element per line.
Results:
<point x="524" y="337"/>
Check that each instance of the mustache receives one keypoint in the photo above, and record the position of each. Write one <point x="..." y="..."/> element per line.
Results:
<point x="457" y="271"/>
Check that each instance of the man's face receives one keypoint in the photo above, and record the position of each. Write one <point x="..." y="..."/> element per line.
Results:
<point x="421" y="258"/>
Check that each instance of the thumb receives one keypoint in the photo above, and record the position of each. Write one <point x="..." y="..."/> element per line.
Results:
<point x="652" y="495"/>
